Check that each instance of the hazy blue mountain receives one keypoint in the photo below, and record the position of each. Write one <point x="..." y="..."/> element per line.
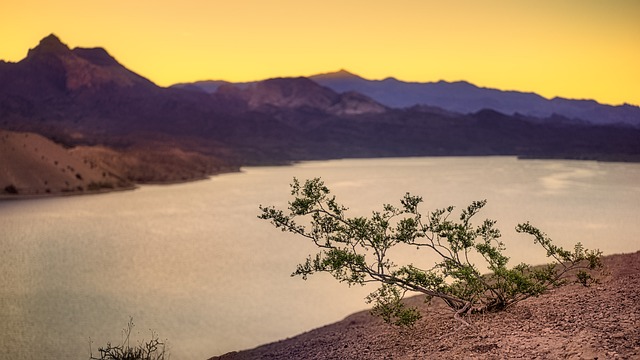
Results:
<point x="463" y="97"/>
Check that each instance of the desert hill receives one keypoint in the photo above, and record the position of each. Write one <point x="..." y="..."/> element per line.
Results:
<point x="32" y="165"/>
<point x="571" y="322"/>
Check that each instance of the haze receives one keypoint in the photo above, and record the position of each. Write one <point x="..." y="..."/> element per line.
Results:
<point x="573" y="49"/>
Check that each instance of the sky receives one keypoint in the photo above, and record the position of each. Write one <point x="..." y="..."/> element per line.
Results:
<point x="579" y="49"/>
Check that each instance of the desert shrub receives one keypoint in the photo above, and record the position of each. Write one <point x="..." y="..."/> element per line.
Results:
<point x="355" y="250"/>
<point x="154" y="349"/>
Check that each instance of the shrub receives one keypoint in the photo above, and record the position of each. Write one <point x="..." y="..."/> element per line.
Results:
<point x="356" y="251"/>
<point x="154" y="349"/>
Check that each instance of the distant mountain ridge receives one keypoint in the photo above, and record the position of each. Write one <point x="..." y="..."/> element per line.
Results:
<point x="464" y="97"/>
<point x="301" y="92"/>
<point x="460" y="97"/>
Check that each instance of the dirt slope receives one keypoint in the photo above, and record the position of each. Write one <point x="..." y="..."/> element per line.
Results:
<point x="572" y="322"/>
<point x="34" y="166"/>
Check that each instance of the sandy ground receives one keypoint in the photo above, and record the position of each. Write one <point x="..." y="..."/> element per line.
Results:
<point x="32" y="165"/>
<point x="571" y="322"/>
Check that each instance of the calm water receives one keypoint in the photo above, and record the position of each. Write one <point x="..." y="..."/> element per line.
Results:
<point x="193" y="262"/>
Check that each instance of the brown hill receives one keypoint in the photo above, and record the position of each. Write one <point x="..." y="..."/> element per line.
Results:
<point x="33" y="165"/>
<point x="155" y="162"/>
<point x="571" y="322"/>
<point x="303" y="93"/>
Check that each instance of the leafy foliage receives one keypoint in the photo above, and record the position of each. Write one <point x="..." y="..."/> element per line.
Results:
<point x="355" y="250"/>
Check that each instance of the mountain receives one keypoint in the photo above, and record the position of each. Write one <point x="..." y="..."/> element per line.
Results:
<point x="297" y="92"/>
<point x="464" y="98"/>
<point x="67" y="71"/>
<point x="85" y="100"/>
<point x="84" y="97"/>
<point x="301" y="92"/>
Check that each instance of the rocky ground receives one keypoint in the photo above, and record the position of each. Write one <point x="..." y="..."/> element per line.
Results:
<point x="571" y="322"/>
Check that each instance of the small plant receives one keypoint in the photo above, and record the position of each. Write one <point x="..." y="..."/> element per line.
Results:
<point x="356" y="251"/>
<point x="154" y="349"/>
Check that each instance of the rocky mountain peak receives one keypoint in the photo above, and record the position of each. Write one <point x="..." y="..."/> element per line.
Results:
<point x="291" y="92"/>
<point x="341" y="74"/>
<point x="49" y="45"/>
<point x="53" y="66"/>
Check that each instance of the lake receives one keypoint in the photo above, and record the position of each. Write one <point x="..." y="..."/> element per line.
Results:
<point x="195" y="264"/>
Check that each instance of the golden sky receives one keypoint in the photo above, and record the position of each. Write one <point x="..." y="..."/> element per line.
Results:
<point x="568" y="48"/>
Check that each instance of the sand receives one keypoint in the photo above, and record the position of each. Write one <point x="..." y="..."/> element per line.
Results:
<point x="32" y="165"/>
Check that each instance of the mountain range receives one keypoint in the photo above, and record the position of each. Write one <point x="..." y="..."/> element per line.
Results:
<point x="463" y="98"/>
<point x="140" y="132"/>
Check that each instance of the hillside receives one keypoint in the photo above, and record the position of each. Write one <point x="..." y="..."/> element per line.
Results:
<point x="571" y="322"/>
<point x="33" y="165"/>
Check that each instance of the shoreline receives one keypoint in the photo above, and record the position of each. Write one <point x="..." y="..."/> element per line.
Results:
<point x="37" y="196"/>
<point x="134" y="186"/>
<point x="4" y="196"/>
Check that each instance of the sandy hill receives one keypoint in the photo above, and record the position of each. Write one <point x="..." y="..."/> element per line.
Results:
<point x="33" y="165"/>
<point x="571" y="322"/>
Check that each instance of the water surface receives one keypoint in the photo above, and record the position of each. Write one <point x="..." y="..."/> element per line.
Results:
<point x="193" y="262"/>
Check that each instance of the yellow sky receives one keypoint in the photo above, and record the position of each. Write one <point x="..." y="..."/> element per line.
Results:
<point x="568" y="48"/>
